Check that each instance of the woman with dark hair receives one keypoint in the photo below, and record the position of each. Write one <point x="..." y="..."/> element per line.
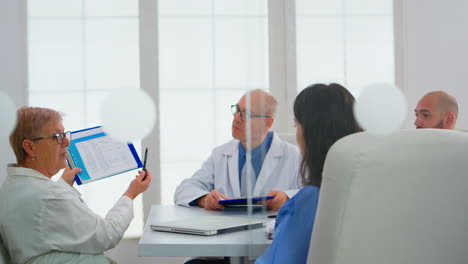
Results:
<point x="323" y="115"/>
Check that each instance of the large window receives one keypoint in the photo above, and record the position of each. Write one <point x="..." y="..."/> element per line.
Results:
<point x="210" y="52"/>
<point x="79" y="51"/>
<point x="344" y="41"/>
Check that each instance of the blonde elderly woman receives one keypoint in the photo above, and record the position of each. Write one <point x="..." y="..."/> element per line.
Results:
<point x="43" y="221"/>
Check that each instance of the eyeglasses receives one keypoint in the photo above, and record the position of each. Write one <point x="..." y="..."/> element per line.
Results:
<point x="58" y="137"/>
<point x="243" y="114"/>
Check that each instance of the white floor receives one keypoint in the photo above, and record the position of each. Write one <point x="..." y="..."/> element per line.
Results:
<point x="127" y="252"/>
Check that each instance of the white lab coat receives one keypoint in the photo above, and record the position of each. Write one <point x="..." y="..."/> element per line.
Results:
<point x="221" y="172"/>
<point x="42" y="221"/>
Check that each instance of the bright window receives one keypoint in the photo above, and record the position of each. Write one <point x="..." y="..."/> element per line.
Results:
<point x="344" y="41"/>
<point x="210" y="54"/>
<point x="78" y="52"/>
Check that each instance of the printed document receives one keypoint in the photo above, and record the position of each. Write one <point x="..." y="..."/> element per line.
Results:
<point x="99" y="155"/>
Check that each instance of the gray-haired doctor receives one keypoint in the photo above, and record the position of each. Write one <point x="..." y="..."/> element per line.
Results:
<point x="43" y="221"/>
<point x="273" y="167"/>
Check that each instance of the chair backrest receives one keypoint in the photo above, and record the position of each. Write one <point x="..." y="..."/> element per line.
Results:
<point x="288" y="137"/>
<point x="4" y="255"/>
<point x="400" y="198"/>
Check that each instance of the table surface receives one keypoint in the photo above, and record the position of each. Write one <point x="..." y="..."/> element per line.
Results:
<point x="250" y="243"/>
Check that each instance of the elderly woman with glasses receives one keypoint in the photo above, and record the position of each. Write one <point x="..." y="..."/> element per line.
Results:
<point x="43" y="221"/>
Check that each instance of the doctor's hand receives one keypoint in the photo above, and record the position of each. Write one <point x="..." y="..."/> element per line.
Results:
<point x="69" y="175"/>
<point x="138" y="185"/>
<point x="276" y="203"/>
<point x="210" y="201"/>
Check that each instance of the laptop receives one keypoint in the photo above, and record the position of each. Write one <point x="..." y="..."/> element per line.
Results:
<point x="208" y="225"/>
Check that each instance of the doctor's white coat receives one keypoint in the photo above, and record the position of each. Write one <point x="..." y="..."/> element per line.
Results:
<point x="221" y="172"/>
<point x="43" y="222"/>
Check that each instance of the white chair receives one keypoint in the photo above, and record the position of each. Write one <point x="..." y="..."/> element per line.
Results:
<point x="288" y="137"/>
<point x="401" y="198"/>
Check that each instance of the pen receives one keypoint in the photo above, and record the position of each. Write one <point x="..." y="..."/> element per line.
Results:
<point x="144" y="163"/>
<point x="271" y="216"/>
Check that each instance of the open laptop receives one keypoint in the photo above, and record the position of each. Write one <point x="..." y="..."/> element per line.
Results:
<point x="208" y="225"/>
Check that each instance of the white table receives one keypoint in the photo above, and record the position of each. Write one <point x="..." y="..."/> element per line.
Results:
<point x="251" y="243"/>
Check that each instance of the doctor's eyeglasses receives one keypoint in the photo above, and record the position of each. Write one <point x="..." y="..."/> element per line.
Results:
<point x="58" y="137"/>
<point x="243" y="114"/>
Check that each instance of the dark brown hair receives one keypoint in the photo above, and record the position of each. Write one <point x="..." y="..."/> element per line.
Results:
<point x="325" y="113"/>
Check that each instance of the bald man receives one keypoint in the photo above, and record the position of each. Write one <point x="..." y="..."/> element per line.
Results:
<point x="228" y="173"/>
<point x="436" y="110"/>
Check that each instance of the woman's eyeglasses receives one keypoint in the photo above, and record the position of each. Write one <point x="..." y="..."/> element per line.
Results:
<point x="58" y="137"/>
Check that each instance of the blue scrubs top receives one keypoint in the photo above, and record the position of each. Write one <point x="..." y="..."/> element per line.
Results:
<point x="293" y="229"/>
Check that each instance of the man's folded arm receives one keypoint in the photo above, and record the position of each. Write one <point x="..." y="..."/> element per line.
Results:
<point x="200" y="184"/>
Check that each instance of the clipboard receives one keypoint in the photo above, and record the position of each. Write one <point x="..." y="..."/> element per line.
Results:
<point x="100" y="156"/>
<point x="243" y="201"/>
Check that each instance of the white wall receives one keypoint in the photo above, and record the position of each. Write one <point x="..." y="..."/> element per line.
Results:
<point x="13" y="71"/>
<point x="432" y="51"/>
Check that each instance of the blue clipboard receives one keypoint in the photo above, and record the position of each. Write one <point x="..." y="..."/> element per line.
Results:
<point x="76" y="159"/>
<point x="244" y="201"/>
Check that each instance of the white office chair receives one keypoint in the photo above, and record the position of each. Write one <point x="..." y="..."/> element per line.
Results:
<point x="288" y="137"/>
<point x="401" y="198"/>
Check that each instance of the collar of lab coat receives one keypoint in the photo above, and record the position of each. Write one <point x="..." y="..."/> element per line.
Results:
<point x="274" y="151"/>
<point x="269" y="164"/>
<point x="14" y="170"/>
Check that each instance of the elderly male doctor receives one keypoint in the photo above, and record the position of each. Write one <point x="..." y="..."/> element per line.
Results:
<point x="227" y="173"/>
